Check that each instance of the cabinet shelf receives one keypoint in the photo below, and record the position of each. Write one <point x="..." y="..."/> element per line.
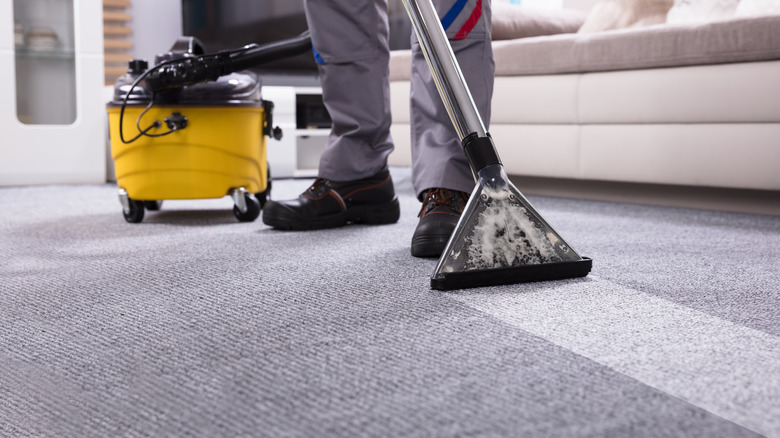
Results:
<point x="27" y="53"/>
<point x="312" y="132"/>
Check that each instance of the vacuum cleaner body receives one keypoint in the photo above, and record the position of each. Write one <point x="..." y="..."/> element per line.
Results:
<point x="213" y="139"/>
<point x="218" y="145"/>
<point x="221" y="148"/>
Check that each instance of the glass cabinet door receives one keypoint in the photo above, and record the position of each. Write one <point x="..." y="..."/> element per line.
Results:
<point x="53" y="106"/>
<point x="45" y="62"/>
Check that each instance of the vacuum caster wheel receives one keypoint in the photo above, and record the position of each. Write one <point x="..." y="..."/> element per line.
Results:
<point x="135" y="213"/>
<point x="245" y="207"/>
<point x="152" y="205"/>
<point x="252" y="210"/>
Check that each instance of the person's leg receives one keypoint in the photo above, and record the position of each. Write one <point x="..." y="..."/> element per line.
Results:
<point x="437" y="155"/>
<point x="350" y="40"/>
<point x="441" y="174"/>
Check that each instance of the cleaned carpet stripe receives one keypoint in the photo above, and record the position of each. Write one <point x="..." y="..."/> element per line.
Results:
<point x="725" y="368"/>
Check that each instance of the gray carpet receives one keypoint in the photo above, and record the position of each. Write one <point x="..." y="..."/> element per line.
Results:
<point x="192" y="324"/>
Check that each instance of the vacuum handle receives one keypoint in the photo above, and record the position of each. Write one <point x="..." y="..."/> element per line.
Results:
<point x="444" y="68"/>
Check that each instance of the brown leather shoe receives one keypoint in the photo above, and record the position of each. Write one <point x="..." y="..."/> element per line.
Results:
<point x="330" y="204"/>
<point x="439" y="215"/>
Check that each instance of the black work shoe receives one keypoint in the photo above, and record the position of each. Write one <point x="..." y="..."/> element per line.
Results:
<point x="330" y="204"/>
<point x="439" y="215"/>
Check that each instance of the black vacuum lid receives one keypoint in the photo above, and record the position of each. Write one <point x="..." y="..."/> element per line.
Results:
<point x="240" y="88"/>
<point x="243" y="88"/>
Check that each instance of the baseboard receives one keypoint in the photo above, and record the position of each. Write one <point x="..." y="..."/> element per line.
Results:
<point x="765" y="202"/>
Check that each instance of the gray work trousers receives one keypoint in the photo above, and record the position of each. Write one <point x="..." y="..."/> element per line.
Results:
<point x="350" y="39"/>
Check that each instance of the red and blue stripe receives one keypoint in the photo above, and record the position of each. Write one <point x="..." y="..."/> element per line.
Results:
<point x="470" y="23"/>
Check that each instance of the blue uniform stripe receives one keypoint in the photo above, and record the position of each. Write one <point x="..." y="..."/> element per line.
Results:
<point x="317" y="56"/>
<point x="453" y="13"/>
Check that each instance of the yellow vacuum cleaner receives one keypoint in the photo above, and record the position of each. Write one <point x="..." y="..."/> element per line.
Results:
<point x="193" y="127"/>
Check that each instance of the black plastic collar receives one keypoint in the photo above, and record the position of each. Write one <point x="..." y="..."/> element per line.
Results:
<point x="480" y="151"/>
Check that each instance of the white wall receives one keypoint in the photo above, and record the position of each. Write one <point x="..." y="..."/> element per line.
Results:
<point x="156" y="26"/>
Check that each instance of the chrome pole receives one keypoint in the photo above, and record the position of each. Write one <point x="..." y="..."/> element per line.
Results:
<point x="444" y="68"/>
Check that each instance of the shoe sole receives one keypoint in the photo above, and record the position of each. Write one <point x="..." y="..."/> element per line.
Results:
<point x="379" y="214"/>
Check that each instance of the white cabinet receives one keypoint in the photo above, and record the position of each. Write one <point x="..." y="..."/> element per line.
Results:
<point x="298" y="152"/>
<point x="52" y="114"/>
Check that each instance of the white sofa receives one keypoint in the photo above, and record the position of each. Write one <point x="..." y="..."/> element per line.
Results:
<point x="691" y="105"/>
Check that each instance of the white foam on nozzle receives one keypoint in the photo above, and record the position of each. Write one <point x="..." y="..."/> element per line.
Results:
<point x="504" y="235"/>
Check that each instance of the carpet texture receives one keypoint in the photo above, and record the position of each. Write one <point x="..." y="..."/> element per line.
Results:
<point x="193" y="324"/>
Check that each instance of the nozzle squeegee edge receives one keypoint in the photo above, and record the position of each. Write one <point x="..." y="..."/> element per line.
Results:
<point x="512" y="275"/>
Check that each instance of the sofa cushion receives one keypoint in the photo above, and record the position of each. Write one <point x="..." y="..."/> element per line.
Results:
<point x="735" y="40"/>
<point x="400" y="65"/>
<point x="619" y="14"/>
<point x="511" y="21"/>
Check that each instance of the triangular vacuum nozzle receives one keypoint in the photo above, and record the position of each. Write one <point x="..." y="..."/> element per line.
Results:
<point x="502" y="239"/>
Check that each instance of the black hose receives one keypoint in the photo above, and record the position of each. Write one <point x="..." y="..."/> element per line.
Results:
<point x="244" y="59"/>
<point x="209" y="67"/>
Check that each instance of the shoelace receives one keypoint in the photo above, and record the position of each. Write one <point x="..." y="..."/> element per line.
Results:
<point x="440" y="197"/>
<point x="319" y="183"/>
